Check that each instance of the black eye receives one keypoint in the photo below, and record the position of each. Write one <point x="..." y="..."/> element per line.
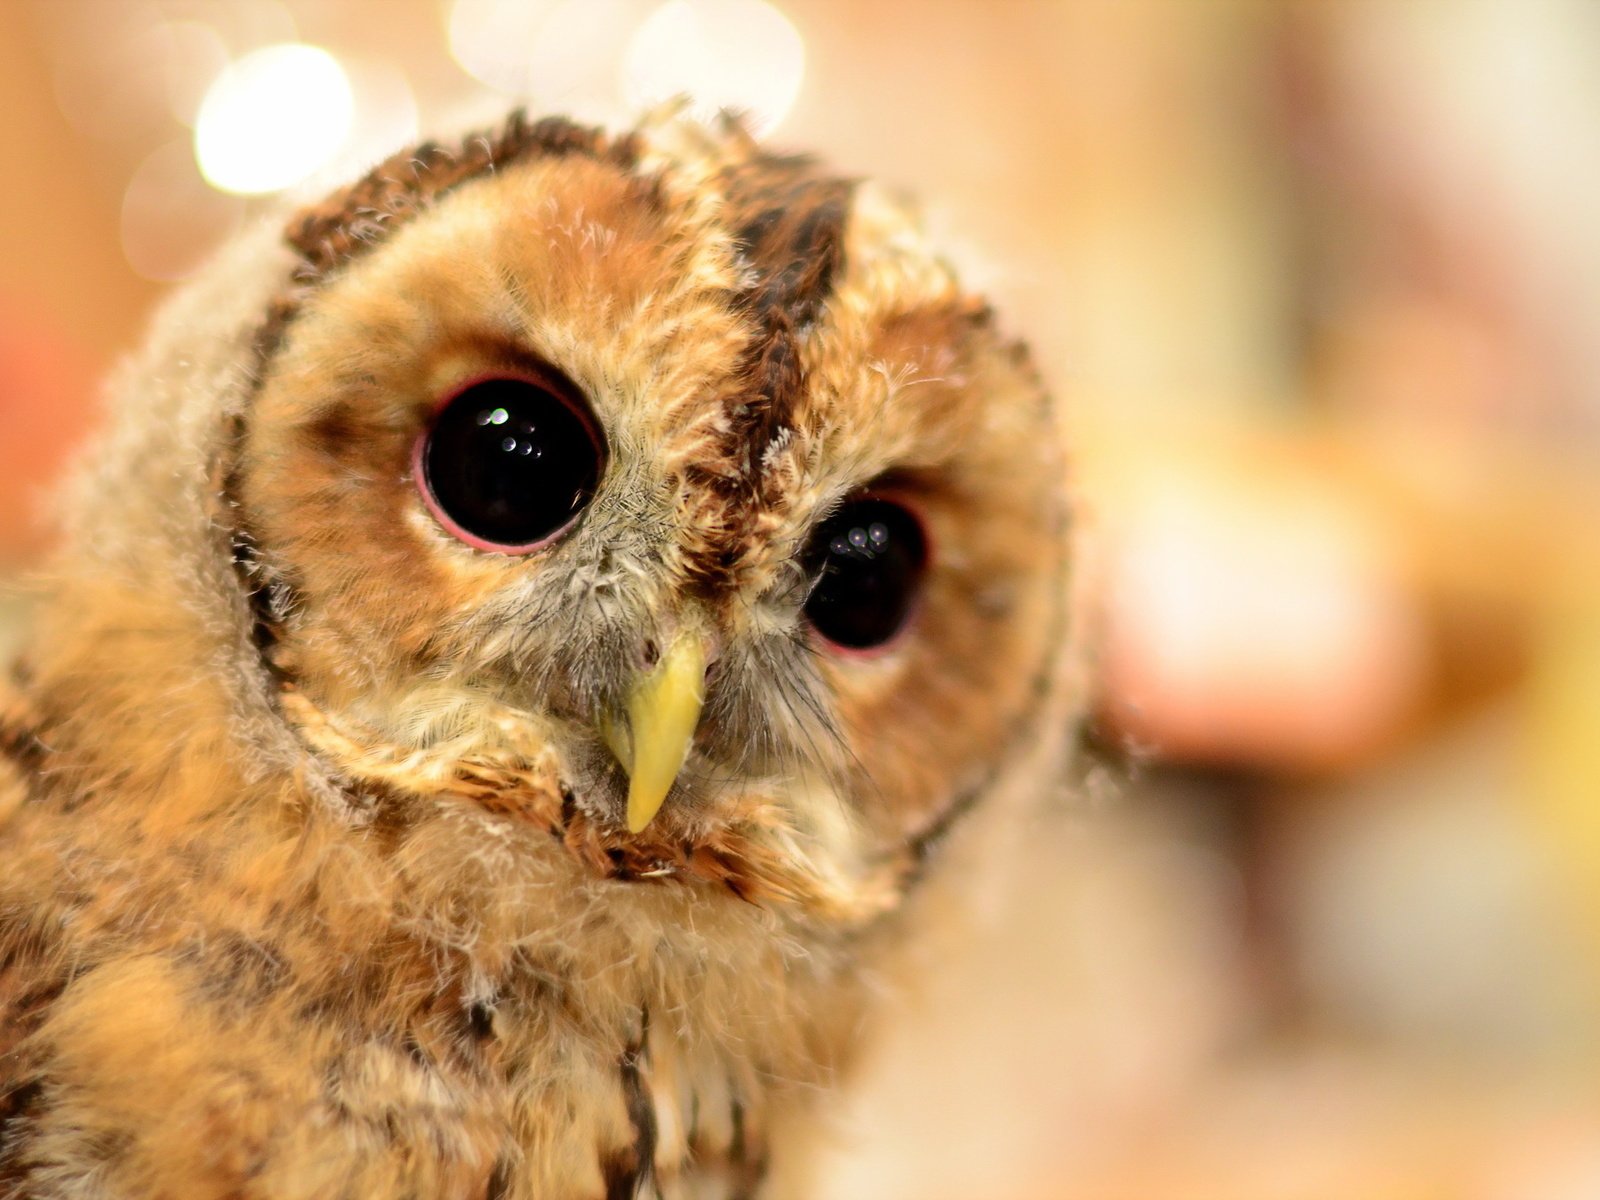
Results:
<point x="509" y="463"/>
<point x="868" y="561"/>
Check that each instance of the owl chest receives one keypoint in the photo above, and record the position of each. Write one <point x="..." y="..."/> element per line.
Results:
<point x="644" y="1059"/>
<point x="647" y="1121"/>
<point x="653" y="1078"/>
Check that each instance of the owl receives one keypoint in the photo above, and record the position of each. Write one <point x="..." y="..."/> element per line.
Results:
<point x="544" y="619"/>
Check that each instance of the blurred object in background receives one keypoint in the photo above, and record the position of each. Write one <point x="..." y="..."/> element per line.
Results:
<point x="43" y="385"/>
<point x="1317" y="286"/>
<point x="1255" y="606"/>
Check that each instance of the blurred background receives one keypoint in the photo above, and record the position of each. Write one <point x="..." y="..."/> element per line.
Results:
<point x="1317" y="283"/>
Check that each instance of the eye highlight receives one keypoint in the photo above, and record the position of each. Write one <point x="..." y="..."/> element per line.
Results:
<point x="868" y="562"/>
<point x="509" y="463"/>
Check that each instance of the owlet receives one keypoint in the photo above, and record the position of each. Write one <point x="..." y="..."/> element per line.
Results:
<point x="511" y="672"/>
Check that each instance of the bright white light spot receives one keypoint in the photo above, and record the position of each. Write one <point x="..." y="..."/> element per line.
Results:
<point x="738" y="54"/>
<point x="272" y="118"/>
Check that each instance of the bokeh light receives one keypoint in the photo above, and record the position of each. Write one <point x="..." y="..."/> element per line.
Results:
<point x="735" y="54"/>
<point x="578" y="52"/>
<point x="564" y="53"/>
<point x="491" y="39"/>
<point x="138" y="65"/>
<point x="272" y="118"/>
<point x="171" y="221"/>
<point x="1254" y="610"/>
<point x="195" y="55"/>
<point x="385" y="116"/>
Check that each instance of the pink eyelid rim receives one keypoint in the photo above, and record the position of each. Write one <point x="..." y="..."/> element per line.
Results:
<point x="419" y="474"/>
<point x="863" y="653"/>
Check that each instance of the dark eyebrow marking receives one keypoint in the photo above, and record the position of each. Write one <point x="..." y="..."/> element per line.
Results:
<point x="788" y="221"/>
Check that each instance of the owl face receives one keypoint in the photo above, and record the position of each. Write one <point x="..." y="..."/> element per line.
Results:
<point x="671" y="478"/>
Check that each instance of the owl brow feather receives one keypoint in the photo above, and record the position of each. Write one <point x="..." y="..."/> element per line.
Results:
<point x="787" y="221"/>
<point x="329" y="234"/>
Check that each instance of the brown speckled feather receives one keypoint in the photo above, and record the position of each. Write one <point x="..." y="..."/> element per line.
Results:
<point x="314" y="877"/>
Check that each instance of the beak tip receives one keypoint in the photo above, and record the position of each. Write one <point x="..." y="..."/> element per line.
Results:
<point x="641" y="811"/>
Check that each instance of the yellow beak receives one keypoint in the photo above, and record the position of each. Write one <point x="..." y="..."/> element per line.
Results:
<point x="663" y="713"/>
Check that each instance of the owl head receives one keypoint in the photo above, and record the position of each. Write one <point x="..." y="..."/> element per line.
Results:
<point x="656" y="490"/>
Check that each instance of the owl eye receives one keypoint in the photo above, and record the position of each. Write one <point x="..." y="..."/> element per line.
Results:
<point x="509" y="463"/>
<point x="868" y="560"/>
